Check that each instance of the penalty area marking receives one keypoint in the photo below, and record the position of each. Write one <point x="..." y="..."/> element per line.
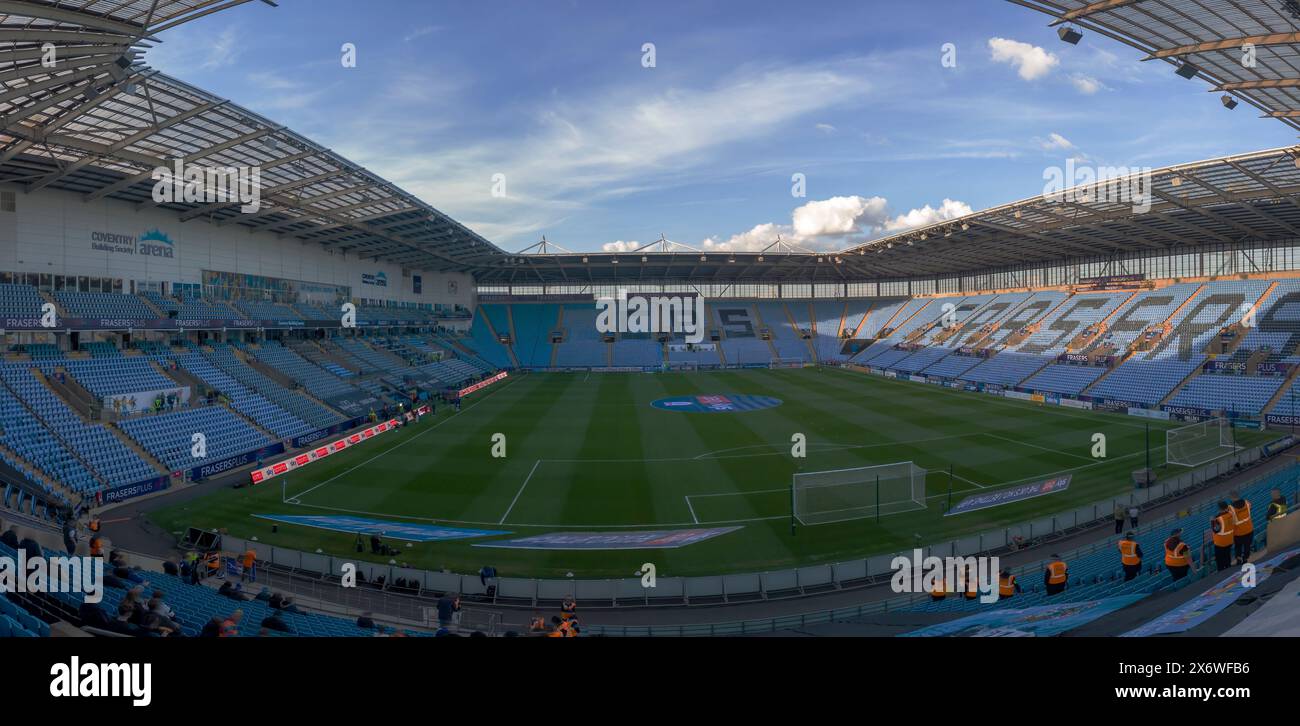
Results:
<point x="748" y="520"/>
<point x="521" y="491"/>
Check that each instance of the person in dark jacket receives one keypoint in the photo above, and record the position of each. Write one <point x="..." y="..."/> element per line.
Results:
<point x="211" y="629"/>
<point x="10" y="538"/>
<point x="276" y="623"/>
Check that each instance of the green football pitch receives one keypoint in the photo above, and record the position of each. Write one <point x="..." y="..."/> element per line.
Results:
<point x="588" y="452"/>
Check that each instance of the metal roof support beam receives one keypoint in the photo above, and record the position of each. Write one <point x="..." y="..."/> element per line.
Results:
<point x="71" y="17"/>
<point x="1228" y="44"/>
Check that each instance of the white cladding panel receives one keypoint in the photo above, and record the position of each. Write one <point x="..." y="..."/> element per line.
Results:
<point x="57" y="233"/>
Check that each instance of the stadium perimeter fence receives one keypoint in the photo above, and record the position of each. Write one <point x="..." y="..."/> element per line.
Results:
<point x="322" y="570"/>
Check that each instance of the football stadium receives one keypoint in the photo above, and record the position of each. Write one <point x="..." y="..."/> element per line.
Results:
<point x="253" y="382"/>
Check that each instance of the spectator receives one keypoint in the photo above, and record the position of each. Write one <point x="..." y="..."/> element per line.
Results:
<point x="232" y="591"/>
<point x="171" y="567"/>
<point x="1276" y="507"/>
<point x="487" y="572"/>
<point x="70" y="537"/>
<point x="1007" y="585"/>
<point x="1130" y="556"/>
<point x="10" y="538"/>
<point x="276" y="623"/>
<point x="366" y="621"/>
<point x="31" y="547"/>
<point x="1119" y="518"/>
<point x="230" y="626"/>
<point x="135" y="598"/>
<point x="122" y="624"/>
<point x="1178" y="557"/>
<point x="1133" y="512"/>
<point x="1222" y="528"/>
<point x="157" y="605"/>
<point x="212" y="629"/>
<point x="1243" y="527"/>
<point x="93" y="616"/>
<point x="156" y="626"/>
<point x="448" y="604"/>
<point x="249" y="561"/>
<point x="1056" y="576"/>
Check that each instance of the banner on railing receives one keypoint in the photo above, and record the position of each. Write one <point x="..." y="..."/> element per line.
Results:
<point x="481" y="384"/>
<point x="206" y="471"/>
<point x="320" y="452"/>
<point x="131" y="491"/>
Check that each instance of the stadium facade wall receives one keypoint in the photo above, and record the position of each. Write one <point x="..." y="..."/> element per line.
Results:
<point x="57" y="232"/>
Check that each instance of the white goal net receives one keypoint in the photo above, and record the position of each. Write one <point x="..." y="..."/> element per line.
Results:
<point x="785" y="363"/>
<point x="1199" y="443"/>
<point x="823" y="497"/>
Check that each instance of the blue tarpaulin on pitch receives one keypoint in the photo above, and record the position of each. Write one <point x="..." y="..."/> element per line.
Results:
<point x="1007" y="496"/>
<point x="660" y="540"/>
<point x="405" y="531"/>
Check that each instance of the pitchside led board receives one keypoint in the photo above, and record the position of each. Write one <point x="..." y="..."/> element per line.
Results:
<point x="320" y="452"/>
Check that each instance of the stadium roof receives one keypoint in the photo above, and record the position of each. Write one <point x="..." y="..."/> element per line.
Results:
<point x="100" y="121"/>
<point x="1211" y="36"/>
<point x="1236" y="200"/>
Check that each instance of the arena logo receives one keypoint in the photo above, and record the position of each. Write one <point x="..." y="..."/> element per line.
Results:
<point x="921" y="574"/>
<point x="53" y="575"/>
<point x="75" y="679"/>
<point x="1084" y="184"/>
<point x="655" y="314"/>
<point x="154" y="243"/>
<point x="197" y="184"/>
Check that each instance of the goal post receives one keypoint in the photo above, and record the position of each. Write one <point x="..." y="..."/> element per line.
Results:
<point x="786" y="363"/>
<point x="841" y="495"/>
<point x="1199" y="443"/>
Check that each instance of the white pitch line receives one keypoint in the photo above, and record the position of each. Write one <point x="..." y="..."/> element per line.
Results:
<point x="968" y="481"/>
<point x="386" y="452"/>
<point x="521" y="491"/>
<point x="774" y="517"/>
<point x="1036" y="446"/>
<point x="688" y="506"/>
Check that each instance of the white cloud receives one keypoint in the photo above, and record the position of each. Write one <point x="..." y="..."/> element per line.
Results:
<point x="420" y="32"/>
<point x="579" y="151"/>
<point x="1055" y="142"/>
<point x="620" y="246"/>
<point x="825" y="128"/>
<point x="1031" y="61"/>
<point x="837" y="216"/>
<point x="839" y="222"/>
<point x="1086" y="85"/>
<point x="927" y="215"/>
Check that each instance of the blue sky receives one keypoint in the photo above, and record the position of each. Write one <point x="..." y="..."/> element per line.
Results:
<point x="599" y="152"/>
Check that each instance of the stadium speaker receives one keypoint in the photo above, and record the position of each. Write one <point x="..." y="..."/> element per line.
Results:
<point x="1070" y="35"/>
<point x="1188" y="71"/>
<point x="1229" y="102"/>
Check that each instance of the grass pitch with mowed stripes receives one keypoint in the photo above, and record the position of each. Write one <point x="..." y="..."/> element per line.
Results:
<point x="589" y="452"/>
